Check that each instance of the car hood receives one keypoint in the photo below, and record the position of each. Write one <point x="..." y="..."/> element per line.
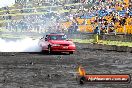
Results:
<point x="60" y="42"/>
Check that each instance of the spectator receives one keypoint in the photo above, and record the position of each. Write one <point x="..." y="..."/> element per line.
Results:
<point x="97" y="30"/>
<point x="114" y="19"/>
<point x="122" y="21"/>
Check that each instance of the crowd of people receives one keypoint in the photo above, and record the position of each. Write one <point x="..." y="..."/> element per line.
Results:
<point x="106" y="14"/>
<point x="32" y="22"/>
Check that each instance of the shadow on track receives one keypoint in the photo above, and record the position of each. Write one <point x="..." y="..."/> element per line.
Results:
<point x="41" y="53"/>
<point x="25" y="53"/>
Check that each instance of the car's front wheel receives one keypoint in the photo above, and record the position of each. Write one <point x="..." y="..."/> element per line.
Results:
<point x="71" y="52"/>
<point x="44" y="52"/>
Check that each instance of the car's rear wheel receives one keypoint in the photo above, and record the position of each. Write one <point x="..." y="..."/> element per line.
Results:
<point x="49" y="49"/>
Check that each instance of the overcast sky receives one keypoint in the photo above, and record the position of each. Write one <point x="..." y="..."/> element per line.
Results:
<point x="4" y="3"/>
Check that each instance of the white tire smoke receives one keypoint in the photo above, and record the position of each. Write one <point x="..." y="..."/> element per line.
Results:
<point x="23" y="45"/>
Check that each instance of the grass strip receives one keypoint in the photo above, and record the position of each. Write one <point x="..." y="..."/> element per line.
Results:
<point x="106" y="42"/>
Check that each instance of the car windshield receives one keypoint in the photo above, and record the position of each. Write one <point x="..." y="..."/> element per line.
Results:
<point x="58" y="37"/>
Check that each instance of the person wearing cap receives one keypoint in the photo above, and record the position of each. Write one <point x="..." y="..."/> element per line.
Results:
<point x="96" y="34"/>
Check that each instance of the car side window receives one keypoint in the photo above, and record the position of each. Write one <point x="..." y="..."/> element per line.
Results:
<point x="53" y="37"/>
<point x="63" y="37"/>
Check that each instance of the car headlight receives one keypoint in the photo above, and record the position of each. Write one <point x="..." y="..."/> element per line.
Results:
<point x="56" y="45"/>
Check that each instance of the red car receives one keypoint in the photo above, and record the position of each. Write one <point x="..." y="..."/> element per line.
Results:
<point x="57" y="43"/>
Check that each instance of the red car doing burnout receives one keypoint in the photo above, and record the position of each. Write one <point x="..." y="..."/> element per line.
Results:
<point x="57" y="43"/>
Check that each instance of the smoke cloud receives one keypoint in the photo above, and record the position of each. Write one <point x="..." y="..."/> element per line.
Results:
<point x="23" y="45"/>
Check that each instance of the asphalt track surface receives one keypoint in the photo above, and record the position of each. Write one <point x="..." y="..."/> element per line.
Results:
<point x="37" y="70"/>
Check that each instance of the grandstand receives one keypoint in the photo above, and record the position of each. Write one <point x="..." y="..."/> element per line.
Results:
<point x="24" y="12"/>
<point x="110" y="16"/>
<point x="39" y="15"/>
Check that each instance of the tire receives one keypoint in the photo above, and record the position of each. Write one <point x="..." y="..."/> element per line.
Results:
<point x="49" y="49"/>
<point x="44" y="52"/>
<point x="71" y="52"/>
